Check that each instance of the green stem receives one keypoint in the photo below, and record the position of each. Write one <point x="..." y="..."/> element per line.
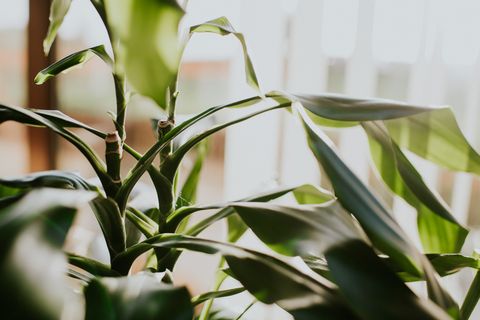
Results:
<point x="120" y="90"/>
<point x="471" y="298"/>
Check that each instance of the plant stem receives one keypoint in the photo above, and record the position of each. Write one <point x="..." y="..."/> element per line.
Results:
<point x="120" y="90"/>
<point x="471" y="298"/>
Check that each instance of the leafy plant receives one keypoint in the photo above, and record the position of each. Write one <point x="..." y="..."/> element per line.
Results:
<point x="358" y="256"/>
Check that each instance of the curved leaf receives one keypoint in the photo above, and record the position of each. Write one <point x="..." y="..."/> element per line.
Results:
<point x="216" y="294"/>
<point x="302" y="230"/>
<point x="58" y="11"/>
<point x="89" y="154"/>
<point x="372" y="289"/>
<point x="439" y="230"/>
<point x="49" y="179"/>
<point x="55" y="116"/>
<point x="342" y="108"/>
<point x="74" y="60"/>
<point x="139" y="296"/>
<point x="223" y="27"/>
<point x="112" y="224"/>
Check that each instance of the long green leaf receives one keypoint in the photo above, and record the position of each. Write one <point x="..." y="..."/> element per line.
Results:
<point x="223" y="27"/>
<point x="372" y="289"/>
<point x="74" y="60"/>
<point x="139" y="296"/>
<point x="49" y="179"/>
<point x="89" y="154"/>
<point x="439" y="230"/>
<point x="55" y="116"/>
<point x="342" y="111"/>
<point x="58" y="11"/>
<point x="216" y="294"/>
<point x="376" y="221"/>
<point x="152" y="26"/>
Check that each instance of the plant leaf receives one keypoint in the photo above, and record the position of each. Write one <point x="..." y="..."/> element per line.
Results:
<point x="74" y="60"/>
<point x="369" y="281"/>
<point x="58" y="11"/>
<point x="342" y="111"/>
<point x="112" y="224"/>
<point x="50" y="179"/>
<point x="302" y="230"/>
<point x="223" y="27"/>
<point x="436" y="136"/>
<point x="152" y="26"/>
<point x="376" y="221"/>
<point x="139" y="296"/>
<point x="216" y="294"/>
<point x="89" y="154"/>
<point x="188" y="192"/>
<point x="32" y="266"/>
<point x="57" y="117"/>
<point x="269" y="279"/>
<point x="439" y="230"/>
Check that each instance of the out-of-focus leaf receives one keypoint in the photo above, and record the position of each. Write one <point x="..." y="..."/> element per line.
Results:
<point x="439" y="230"/>
<point x="376" y="221"/>
<point x="436" y="136"/>
<point x="74" y="60"/>
<point x="112" y="224"/>
<point x="269" y="279"/>
<point x="140" y="296"/>
<point x="363" y="278"/>
<point x="223" y="27"/>
<point x="302" y="230"/>
<point x="49" y="179"/>
<point x="32" y="266"/>
<point x="58" y="11"/>
<point x="216" y="294"/>
<point x="471" y="299"/>
<point x="148" y="50"/>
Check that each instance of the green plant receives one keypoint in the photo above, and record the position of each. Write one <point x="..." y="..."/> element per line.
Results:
<point x="361" y="256"/>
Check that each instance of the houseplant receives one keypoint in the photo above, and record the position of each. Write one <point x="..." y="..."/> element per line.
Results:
<point x="360" y="256"/>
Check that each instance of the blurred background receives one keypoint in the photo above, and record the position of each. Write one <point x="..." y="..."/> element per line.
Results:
<point x="421" y="51"/>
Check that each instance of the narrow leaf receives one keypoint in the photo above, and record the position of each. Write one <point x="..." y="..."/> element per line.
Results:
<point x="74" y="60"/>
